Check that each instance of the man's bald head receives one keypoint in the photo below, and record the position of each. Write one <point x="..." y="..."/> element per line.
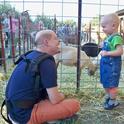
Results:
<point x="42" y="35"/>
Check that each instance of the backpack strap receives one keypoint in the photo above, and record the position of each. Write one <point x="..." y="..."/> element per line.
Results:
<point x="34" y="66"/>
<point x="23" y="57"/>
<point x="1" y="111"/>
<point x="36" y="62"/>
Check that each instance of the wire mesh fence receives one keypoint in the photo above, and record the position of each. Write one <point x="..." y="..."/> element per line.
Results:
<point x="62" y="17"/>
<point x="21" y="36"/>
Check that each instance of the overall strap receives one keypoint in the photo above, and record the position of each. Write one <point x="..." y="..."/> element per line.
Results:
<point x="111" y="37"/>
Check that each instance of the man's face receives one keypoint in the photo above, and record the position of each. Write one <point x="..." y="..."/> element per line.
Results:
<point x="53" y="44"/>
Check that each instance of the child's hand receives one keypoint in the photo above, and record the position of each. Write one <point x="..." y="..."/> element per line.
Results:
<point x="101" y="44"/>
<point x="104" y="53"/>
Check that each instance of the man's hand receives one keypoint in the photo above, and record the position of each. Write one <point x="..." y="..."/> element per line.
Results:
<point x="54" y="95"/>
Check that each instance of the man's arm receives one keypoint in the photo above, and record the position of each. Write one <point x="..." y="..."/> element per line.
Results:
<point x="54" y="95"/>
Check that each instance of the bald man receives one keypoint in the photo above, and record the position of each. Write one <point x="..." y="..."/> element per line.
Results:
<point x="51" y="104"/>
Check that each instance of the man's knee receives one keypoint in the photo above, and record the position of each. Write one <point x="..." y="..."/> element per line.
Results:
<point x="72" y="104"/>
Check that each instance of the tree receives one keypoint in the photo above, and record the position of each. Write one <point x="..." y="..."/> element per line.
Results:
<point x="48" y="22"/>
<point x="70" y="22"/>
<point x="7" y="8"/>
<point x="95" y="21"/>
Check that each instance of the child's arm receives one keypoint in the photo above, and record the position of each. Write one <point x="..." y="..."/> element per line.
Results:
<point x="101" y="44"/>
<point x="117" y="52"/>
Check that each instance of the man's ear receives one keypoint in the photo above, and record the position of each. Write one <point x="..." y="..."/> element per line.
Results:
<point x="45" y="41"/>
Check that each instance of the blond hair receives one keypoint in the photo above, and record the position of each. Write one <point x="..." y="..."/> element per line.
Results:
<point x="112" y="18"/>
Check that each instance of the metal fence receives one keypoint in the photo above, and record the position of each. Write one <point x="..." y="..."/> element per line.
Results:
<point x="21" y="41"/>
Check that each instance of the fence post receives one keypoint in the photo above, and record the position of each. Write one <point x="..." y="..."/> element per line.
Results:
<point x="2" y="48"/>
<point x="79" y="44"/>
<point x="19" y="42"/>
<point x="12" y="40"/>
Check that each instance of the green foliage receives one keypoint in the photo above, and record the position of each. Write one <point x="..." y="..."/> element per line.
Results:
<point x="48" y="22"/>
<point x="95" y="21"/>
<point x="7" y="8"/>
<point x="70" y="22"/>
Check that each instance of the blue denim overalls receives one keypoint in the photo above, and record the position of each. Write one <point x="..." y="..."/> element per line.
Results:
<point x="110" y="67"/>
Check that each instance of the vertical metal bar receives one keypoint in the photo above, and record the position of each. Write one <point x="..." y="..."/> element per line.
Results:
<point x="42" y="7"/>
<point x="30" y="42"/>
<point x="79" y="43"/>
<point x="62" y="11"/>
<point x="19" y="34"/>
<point x="23" y="5"/>
<point x="90" y="32"/>
<point x="121" y="20"/>
<point x="123" y="28"/>
<point x="54" y="23"/>
<point x="2" y="48"/>
<point x="12" y="40"/>
<point x="99" y="32"/>
<point x="27" y="42"/>
<point x="24" y="40"/>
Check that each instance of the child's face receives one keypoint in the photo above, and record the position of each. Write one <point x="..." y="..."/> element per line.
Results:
<point x="107" y="26"/>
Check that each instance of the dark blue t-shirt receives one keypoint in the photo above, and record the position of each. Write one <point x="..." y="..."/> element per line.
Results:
<point x="21" y="86"/>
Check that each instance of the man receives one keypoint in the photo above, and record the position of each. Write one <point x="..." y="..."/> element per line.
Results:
<point x="52" y="104"/>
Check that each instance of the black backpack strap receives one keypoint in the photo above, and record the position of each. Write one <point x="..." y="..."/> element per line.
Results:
<point x="36" y="72"/>
<point x="34" y="69"/>
<point x="23" y="57"/>
<point x="35" y="63"/>
<point x="6" y="119"/>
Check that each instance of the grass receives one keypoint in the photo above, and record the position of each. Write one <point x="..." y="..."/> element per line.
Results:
<point x="92" y="111"/>
<point x="90" y="96"/>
